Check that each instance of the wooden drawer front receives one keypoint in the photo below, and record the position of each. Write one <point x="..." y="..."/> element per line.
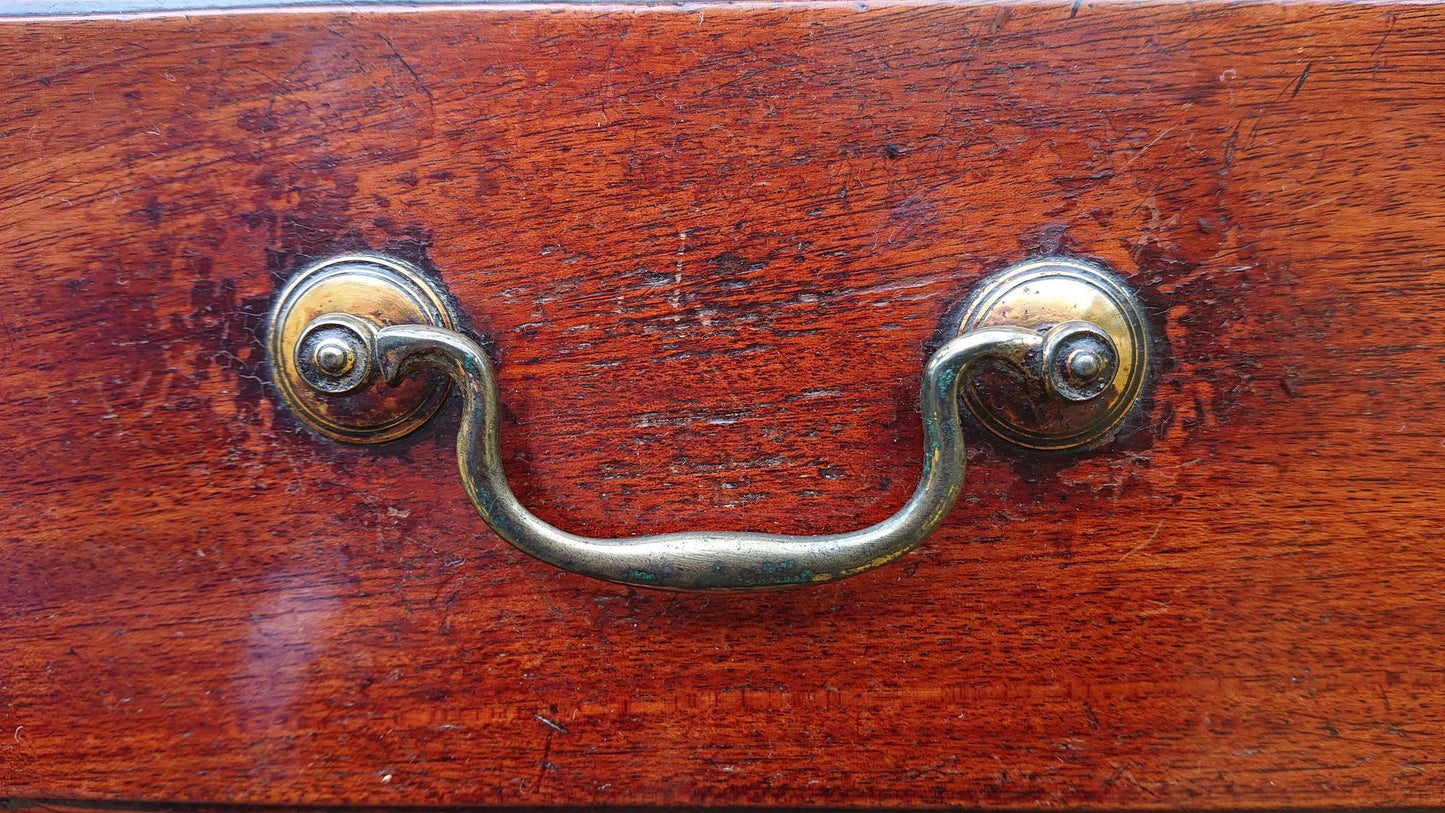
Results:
<point x="708" y="247"/>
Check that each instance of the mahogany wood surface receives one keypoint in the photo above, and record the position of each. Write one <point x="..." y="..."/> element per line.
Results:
<point x="709" y="247"/>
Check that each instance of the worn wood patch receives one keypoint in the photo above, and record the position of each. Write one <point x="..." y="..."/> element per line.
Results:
<point x="709" y="247"/>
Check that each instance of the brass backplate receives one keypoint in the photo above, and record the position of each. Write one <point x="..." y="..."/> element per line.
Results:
<point x="379" y="292"/>
<point x="1038" y="294"/>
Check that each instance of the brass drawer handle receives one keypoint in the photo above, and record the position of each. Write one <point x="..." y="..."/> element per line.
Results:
<point x="336" y="355"/>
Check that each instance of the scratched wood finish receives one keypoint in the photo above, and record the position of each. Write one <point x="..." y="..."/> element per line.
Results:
<point x="710" y="247"/>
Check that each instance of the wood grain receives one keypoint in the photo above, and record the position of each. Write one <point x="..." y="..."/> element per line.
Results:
<point x="710" y="246"/>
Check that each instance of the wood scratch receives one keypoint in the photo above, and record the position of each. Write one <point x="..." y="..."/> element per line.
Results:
<point x="1317" y="204"/>
<point x="1162" y="133"/>
<point x="407" y="66"/>
<point x="552" y="724"/>
<point x="1145" y="543"/>
<point x="1302" y="77"/>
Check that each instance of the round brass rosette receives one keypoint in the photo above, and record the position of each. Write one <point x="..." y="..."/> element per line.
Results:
<point x="319" y="341"/>
<point x="1081" y="404"/>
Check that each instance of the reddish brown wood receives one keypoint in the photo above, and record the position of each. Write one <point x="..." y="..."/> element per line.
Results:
<point x="710" y="245"/>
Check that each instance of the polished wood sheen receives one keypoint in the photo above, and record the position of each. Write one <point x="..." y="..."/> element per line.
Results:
<point x="710" y="248"/>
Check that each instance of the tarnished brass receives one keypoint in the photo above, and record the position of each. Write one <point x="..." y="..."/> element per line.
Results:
<point x="1097" y="378"/>
<point x="319" y="341"/>
<point x="331" y="365"/>
<point x="706" y="560"/>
